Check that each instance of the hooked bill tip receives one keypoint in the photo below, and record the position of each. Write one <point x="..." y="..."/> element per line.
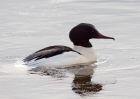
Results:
<point x="113" y="38"/>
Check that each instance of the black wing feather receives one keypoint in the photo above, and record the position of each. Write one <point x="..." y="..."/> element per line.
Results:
<point x="48" y="52"/>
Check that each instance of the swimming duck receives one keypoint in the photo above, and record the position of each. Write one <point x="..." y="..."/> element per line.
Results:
<point x="63" y="56"/>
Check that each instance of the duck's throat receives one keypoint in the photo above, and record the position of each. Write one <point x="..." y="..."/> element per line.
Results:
<point x="83" y="43"/>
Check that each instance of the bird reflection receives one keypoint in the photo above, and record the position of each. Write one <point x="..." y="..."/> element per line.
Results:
<point x="82" y="83"/>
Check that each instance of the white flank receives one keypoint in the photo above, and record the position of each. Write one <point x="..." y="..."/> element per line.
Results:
<point x="66" y="59"/>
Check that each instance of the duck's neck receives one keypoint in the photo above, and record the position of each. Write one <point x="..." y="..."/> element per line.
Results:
<point x="87" y="52"/>
<point x="84" y="43"/>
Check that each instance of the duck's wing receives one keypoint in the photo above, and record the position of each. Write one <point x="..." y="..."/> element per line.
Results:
<point x="56" y="57"/>
<point x="49" y="52"/>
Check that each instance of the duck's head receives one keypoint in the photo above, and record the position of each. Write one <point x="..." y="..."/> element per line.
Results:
<point x="82" y="33"/>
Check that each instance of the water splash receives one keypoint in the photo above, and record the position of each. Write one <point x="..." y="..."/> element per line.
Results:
<point x="14" y="68"/>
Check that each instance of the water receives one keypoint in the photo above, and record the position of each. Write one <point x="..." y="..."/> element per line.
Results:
<point x="27" y="26"/>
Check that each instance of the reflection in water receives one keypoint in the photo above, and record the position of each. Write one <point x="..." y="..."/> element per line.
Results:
<point x="82" y="83"/>
<point x="58" y="73"/>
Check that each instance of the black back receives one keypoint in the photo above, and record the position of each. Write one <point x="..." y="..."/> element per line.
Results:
<point x="49" y="52"/>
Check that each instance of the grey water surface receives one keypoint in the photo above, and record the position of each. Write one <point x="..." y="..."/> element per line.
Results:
<point x="29" y="25"/>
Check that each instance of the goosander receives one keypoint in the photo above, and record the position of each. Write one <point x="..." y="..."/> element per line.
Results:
<point x="63" y="56"/>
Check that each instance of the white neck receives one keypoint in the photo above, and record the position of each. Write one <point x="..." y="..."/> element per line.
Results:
<point x="89" y="53"/>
